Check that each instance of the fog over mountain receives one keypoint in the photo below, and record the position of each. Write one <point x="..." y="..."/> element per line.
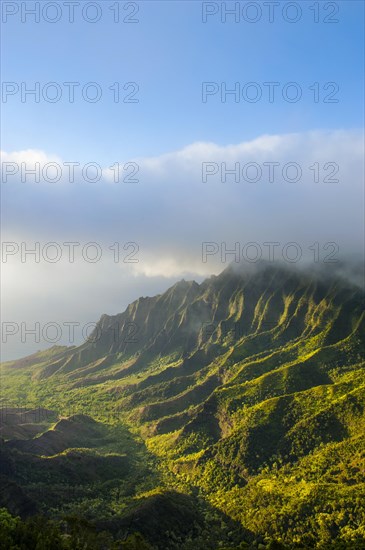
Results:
<point x="171" y="223"/>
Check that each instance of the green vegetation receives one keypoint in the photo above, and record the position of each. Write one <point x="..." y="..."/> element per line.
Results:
<point x="234" y="418"/>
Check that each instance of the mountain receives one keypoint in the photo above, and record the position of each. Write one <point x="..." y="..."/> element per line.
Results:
<point x="244" y="394"/>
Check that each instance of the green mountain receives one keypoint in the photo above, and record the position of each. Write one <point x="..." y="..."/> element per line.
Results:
<point x="228" y="414"/>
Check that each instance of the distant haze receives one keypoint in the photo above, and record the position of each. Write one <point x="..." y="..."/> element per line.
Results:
<point x="169" y="213"/>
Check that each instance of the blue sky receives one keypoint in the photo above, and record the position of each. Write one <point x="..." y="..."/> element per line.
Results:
<point x="169" y="53"/>
<point x="171" y="134"/>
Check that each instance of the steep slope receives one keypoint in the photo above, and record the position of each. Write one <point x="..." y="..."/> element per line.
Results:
<point x="233" y="384"/>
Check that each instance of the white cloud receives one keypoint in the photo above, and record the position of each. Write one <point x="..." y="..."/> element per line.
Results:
<point x="29" y="156"/>
<point x="170" y="212"/>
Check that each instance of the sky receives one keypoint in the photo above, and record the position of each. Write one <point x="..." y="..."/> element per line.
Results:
<point x="187" y="133"/>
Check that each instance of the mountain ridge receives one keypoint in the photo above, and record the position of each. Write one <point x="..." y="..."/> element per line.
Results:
<point x="232" y="385"/>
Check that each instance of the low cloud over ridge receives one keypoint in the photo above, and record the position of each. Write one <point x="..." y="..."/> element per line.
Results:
<point x="172" y="210"/>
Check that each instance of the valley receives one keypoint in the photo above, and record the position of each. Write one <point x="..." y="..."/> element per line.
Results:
<point x="226" y="414"/>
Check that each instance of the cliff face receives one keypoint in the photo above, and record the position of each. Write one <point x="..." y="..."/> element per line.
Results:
<point x="250" y="387"/>
<point x="234" y="340"/>
<point x="261" y="311"/>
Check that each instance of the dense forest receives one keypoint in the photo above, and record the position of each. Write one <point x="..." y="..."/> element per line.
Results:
<point x="227" y="414"/>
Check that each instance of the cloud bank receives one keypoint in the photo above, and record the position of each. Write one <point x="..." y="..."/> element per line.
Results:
<point x="303" y="188"/>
